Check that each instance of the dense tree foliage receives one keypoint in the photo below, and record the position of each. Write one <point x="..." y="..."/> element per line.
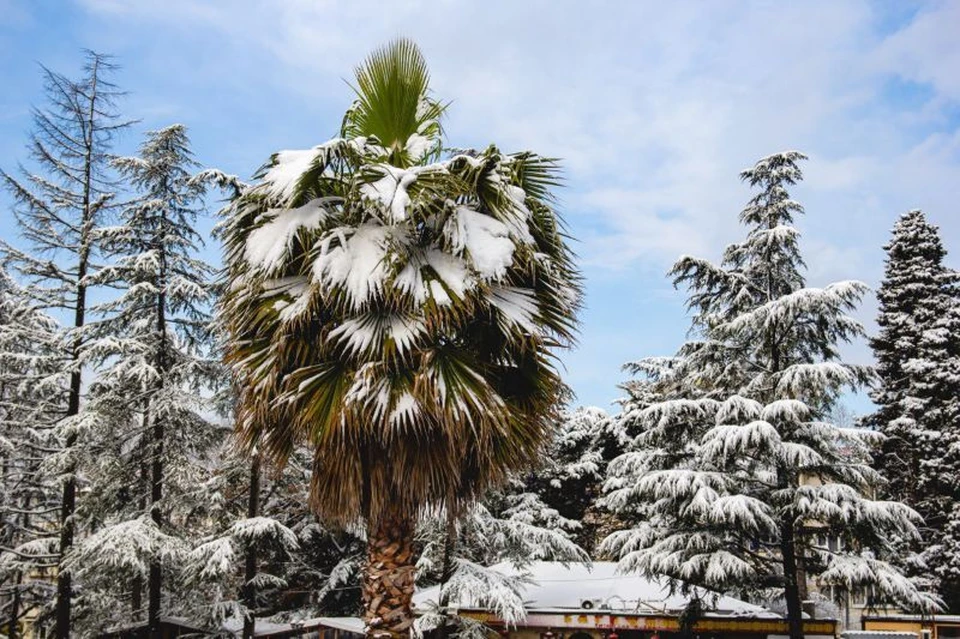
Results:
<point x="735" y="470"/>
<point x="59" y="206"/>
<point x="918" y="394"/>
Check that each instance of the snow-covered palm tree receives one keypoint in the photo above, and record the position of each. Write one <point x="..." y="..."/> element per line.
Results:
<point x="399" y="309"/>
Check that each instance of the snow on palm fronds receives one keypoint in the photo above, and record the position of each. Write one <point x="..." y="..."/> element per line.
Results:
<point x="387" y="298"/>
<point x="734" y="468"/>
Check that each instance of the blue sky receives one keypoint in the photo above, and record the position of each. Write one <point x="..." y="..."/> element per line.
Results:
<point x="654" y="107"/>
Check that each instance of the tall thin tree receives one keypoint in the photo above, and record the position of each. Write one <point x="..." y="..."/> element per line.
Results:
<point x="60" y="204"/>
<point x="918" y="356"/>
<point x="157" y="350"/>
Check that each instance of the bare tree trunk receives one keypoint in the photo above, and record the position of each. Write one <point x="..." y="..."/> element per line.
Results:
<point x="68" y="503"/>
<point x="13" y="632"/>
<point x="790" y="575"/>
<point x="388" y="577"/>
<point x="448" y="567"/>
<point x="136" y="599"/>
<point x="249" y="594"/>
<point x="69" y="500"/>
<point x="155" y="577"/>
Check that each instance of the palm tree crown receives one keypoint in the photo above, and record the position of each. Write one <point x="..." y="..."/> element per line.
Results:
<point x="396" y="307"/>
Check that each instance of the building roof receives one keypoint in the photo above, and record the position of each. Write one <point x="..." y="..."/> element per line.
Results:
<point x="915" y="618"/>
<point x="600" y="587"/>
<point x="268" y="628"/>
<point x="350" y="624"/>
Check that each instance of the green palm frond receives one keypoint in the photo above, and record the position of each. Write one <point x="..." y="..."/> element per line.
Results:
<point x="399" y="314"/>
<point x="393" y="104"/>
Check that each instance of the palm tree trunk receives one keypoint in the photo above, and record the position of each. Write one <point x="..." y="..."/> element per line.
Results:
<point x="388" y="577"/>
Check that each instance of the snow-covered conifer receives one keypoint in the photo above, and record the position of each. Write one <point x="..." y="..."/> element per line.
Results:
<point x="459" y="550"/>
<point x="561" y="492"/>
<point x="300" y="568"/>
<point x="734" y="471"/>
<point x="59" y="206"/>
<point x="918" y="366"/>
<point x="31" y="403"/>
<point x="151" y="438"/>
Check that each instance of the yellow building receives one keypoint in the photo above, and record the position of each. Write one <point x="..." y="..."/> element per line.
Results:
<point x="577" y="602"/>
<point x="924" y="627"/>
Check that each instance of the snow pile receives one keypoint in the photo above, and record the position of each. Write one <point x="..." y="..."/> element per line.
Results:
<point x="268" y="244"/>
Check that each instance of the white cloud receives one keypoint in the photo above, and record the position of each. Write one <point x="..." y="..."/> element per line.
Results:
<point x="926" y="50"/>
<point x="654" y="107"/>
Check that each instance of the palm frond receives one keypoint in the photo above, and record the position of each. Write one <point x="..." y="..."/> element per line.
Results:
<point x="400" y="313"/>
<point x="393" y="104"/>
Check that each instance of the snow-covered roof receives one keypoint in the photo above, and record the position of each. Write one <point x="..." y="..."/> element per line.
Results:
<point x="265" y="627"/>
<point x="601" y="587"/>
<point x="350" y="624"/>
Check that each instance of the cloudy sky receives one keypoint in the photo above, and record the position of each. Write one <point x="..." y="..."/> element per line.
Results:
<point x="654" y="108"/>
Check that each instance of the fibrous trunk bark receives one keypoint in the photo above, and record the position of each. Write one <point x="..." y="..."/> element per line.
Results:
<point x="388" y="576"/>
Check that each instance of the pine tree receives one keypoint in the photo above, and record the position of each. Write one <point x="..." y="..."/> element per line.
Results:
<point x="735" y="469"/>
<point x="301" y="568"/>
<point x="461" y="548"/>
<point x="561" y="492"/>
<point x="935" y="376"/>
<point x="59" y="207"/>
<point x="153" y="434"/>
<point x="31" y="393"/>
<point x="918" y="367"/>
